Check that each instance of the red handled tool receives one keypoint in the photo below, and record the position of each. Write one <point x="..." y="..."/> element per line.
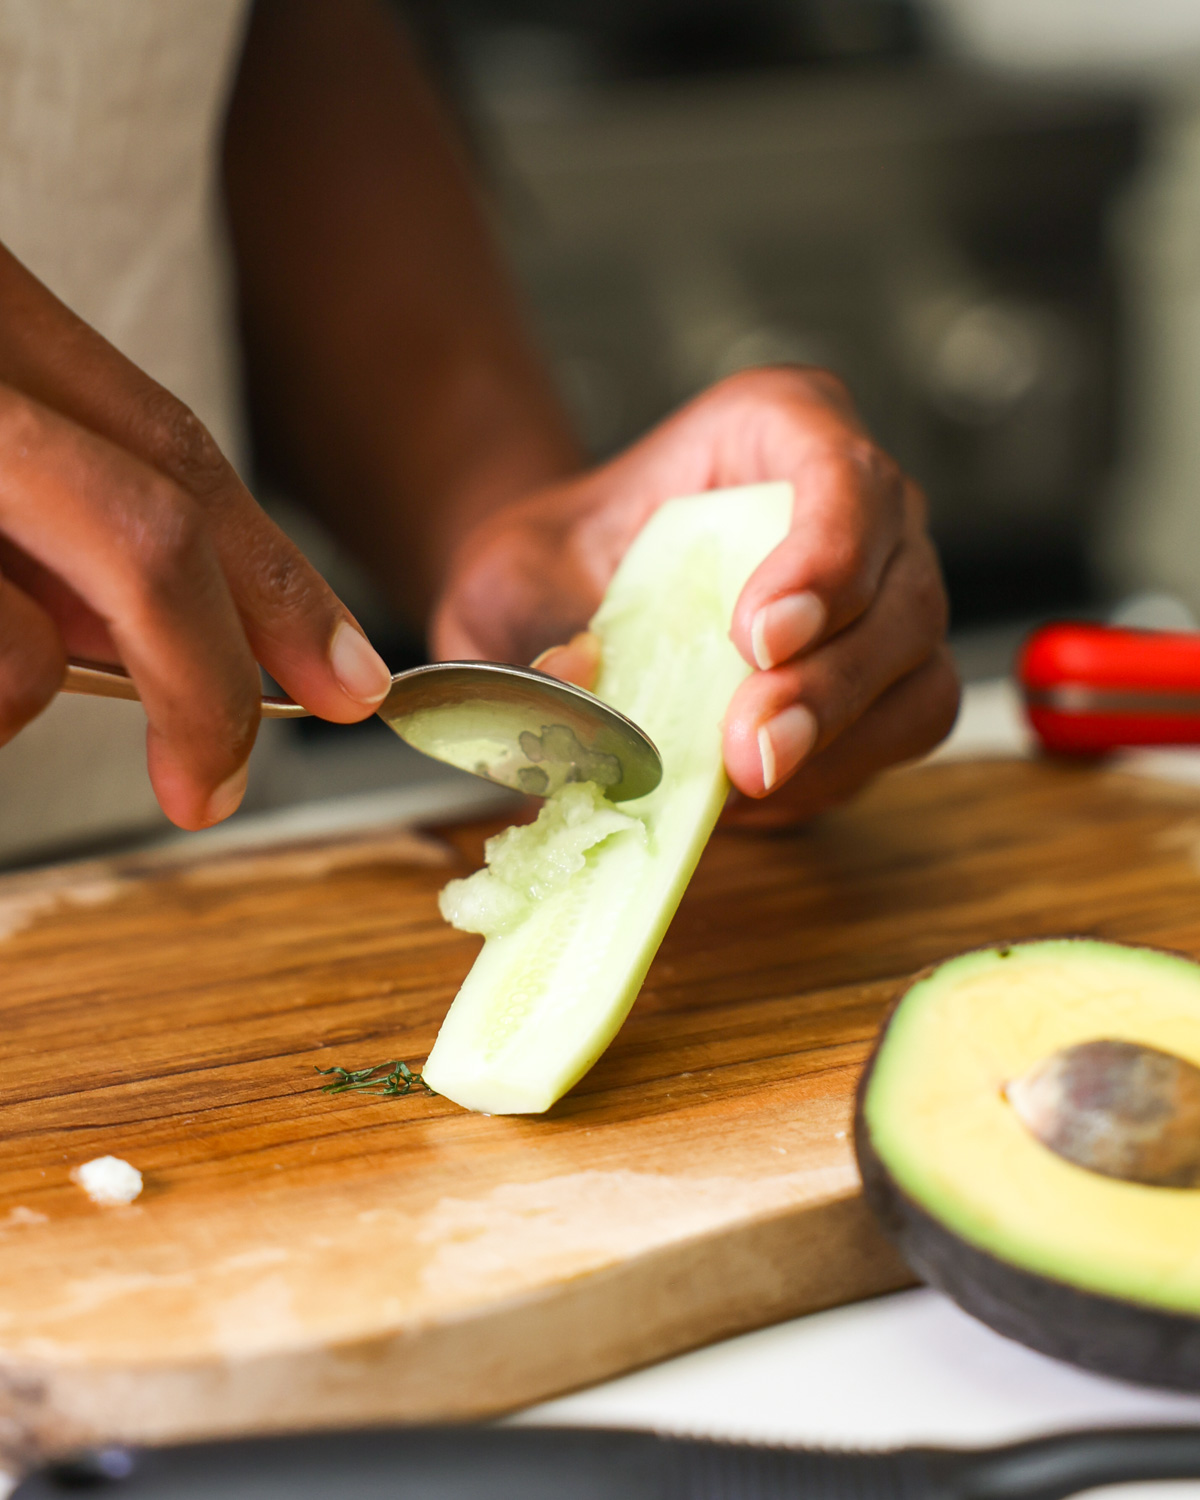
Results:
<point x="1092" y="688"/>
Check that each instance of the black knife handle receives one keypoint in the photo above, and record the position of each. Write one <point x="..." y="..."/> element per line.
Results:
<point x="481" y="1463"/>
<point x="554" y="1463"/>
<point x="1053" y="1467"/>
<point x="697" y="1470"/>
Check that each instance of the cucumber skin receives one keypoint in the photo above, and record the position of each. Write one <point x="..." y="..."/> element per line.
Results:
<point x="544" y="1000"/>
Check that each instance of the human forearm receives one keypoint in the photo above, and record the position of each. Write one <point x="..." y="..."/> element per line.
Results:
<point x="393" y="383"/>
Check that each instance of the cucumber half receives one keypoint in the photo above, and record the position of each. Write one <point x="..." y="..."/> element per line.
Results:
<point x="574" y="906"/>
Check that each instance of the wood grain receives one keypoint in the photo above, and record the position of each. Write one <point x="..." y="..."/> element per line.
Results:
<point x="299" y="1259"/>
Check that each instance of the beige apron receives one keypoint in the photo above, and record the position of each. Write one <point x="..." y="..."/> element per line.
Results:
<point x="110" y="115"/>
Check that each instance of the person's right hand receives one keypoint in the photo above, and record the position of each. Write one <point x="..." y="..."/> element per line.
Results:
<point x="126" y="536"/>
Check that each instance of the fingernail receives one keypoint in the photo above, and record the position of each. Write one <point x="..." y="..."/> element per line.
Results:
<point x="356" y="664"/>
<point x="784" y="741"/>
<point x="228" y="796"/>
<point x="785" y="626"/>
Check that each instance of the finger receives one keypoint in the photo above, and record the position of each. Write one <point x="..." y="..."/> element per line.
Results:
<point x="83" y="632"/>
<point x="912" y="717"/>
<point x="296" y="626"/>
<point x="33" y="660"/>
<point x="136" y="549"/>
<point x="849" y="519"/>
<point x="578" y="661"/>
<point x="519" y="585"/>
<point x="778" y="719"/>
<point x="849" y="516"/>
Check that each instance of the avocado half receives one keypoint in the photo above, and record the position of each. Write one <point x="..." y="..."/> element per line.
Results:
<point x="1100" y="1272"/>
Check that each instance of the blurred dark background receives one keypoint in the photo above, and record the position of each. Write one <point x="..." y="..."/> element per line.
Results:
<point x="688" y="187"/>
<point x="972" y="210"/>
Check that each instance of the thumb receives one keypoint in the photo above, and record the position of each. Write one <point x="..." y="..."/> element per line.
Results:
<point x="577" y="662"/>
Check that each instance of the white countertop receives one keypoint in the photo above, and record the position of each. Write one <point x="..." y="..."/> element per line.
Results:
<point x="908" y="1368"/>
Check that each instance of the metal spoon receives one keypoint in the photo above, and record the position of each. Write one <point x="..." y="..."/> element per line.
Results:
<point x="511" y="725"/>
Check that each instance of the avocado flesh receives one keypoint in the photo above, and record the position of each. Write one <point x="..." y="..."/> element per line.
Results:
<point x="1100" y="1271"/>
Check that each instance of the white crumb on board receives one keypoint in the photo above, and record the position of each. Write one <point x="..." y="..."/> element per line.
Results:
<point x="108" y="1180"/>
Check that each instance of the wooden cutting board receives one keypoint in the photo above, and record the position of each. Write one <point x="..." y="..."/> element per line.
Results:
<point x="301" y="1259"/>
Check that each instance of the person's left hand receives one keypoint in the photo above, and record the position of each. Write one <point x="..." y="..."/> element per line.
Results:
<point x="844" y="622"/>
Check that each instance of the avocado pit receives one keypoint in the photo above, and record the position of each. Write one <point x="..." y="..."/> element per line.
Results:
<point x="1118" y="1108"/>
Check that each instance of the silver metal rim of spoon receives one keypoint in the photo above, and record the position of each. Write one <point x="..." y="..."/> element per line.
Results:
<point x="640" y="765"/>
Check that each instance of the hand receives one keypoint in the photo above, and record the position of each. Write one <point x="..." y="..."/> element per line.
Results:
<point x="126" y="536"/>
<point x="845" y="622"/>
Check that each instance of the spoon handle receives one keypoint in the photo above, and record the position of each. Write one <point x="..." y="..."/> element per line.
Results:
<point x="100" y="681"/>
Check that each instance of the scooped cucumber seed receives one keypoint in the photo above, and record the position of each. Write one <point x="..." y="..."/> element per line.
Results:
<point x="526" y="863"/>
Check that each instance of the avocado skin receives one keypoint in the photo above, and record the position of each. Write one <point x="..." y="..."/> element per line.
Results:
<point x="1125" y="1339"/>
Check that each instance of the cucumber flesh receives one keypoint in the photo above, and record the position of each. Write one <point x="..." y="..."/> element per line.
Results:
<point x="575" y="905"/>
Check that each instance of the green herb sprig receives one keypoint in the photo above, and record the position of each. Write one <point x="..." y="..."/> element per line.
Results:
<point x="394" y="1079"/>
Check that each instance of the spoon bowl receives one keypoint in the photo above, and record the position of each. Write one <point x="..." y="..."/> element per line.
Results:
<point x="514" y="726"/>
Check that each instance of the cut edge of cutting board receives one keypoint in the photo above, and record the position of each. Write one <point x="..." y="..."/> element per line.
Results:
<point x="590" y="1328"/>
